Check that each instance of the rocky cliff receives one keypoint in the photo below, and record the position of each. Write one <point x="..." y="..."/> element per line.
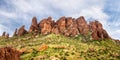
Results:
<point x="67" y="26"/>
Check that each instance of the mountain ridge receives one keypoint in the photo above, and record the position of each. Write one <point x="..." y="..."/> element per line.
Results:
<point x="67" y="26"/>
<point x="66" y="39"/>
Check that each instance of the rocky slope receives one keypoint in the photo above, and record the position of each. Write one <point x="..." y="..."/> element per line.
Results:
<point x="58" y="47"/>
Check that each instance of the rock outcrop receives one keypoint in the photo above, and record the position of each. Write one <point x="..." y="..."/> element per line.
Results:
<point x="8" y="53"/>
<point x="55" y="29"/>
<point x="22" y="31"/>
<point x="71" y="27"/>
<point x="97" y="31"/>
<point x="46" y="25"/>
<point x="34" y="26"/>
<point x="67" y="26"/>
<point x="61" y="25"/>
<point x="5" y="35"/>
<point x="82" y="26"/>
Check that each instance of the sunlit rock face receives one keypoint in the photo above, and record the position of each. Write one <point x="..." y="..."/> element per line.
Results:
<point x="46" y="25"/>
<point x="34" y="26"/>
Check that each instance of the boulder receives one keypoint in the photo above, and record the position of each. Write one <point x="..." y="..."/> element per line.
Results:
<point x="8" y="53"/>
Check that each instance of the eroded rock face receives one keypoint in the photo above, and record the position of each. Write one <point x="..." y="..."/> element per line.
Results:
<point x="55" y="29"/>
<point x="34" y="26"/>
<point x="22" y="31"/>
<point x="97" y="31"/>
<point x="71" y="27"/>
<point x="62" y="25"/>
<point x="8" y="53"/>
<point x="82" y="26"/>
<point x="46" y="26"/>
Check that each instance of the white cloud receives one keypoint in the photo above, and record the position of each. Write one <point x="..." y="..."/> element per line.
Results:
<point x="8" y="14"/>
<point x="115" y="34"/>
<point x="93" y="12"/>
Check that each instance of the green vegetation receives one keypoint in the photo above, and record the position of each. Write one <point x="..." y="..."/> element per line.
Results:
<point x="62" y="48"/>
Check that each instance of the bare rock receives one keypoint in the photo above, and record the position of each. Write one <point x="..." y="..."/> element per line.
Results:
<point x="34" y="26"/>
<point x="46" y="26"/>
<point x="8" y="53"/>
<point x="71" y="27"/>
<point x="22" y="31"/>
<point x="97" y="31"/>
<point x="82" y="25"/>
<point x="5" y="35"/>
<point x="61" y="25"/>
<point x="55" y="29"/>
<point x="67" y="26"/>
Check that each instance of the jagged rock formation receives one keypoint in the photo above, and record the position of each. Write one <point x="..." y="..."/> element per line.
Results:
<point x="46" y="26"/>
<point x="34" y="26"/>
<point x="55" y="29"/>
<point x="21" y="31"/>
<point x="61" y="25"/>
<point x="67" y="26"/>
<point x="97" y="30"/>
<point x="82" y="26"/>
<point x="70" y="27"/>
<point x="5" y="35"/>
<point x="8" y="53"/>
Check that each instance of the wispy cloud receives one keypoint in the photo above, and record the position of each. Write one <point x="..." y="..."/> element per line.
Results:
<point x="8" y="14"/>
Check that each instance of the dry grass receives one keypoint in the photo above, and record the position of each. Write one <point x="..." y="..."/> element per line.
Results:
<point x="62" y="48"/>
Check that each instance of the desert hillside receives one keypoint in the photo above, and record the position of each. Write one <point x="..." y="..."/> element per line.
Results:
<point x="64" y="39"/>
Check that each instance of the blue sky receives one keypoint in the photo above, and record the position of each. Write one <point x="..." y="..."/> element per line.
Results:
<point x="15" y="13"/>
